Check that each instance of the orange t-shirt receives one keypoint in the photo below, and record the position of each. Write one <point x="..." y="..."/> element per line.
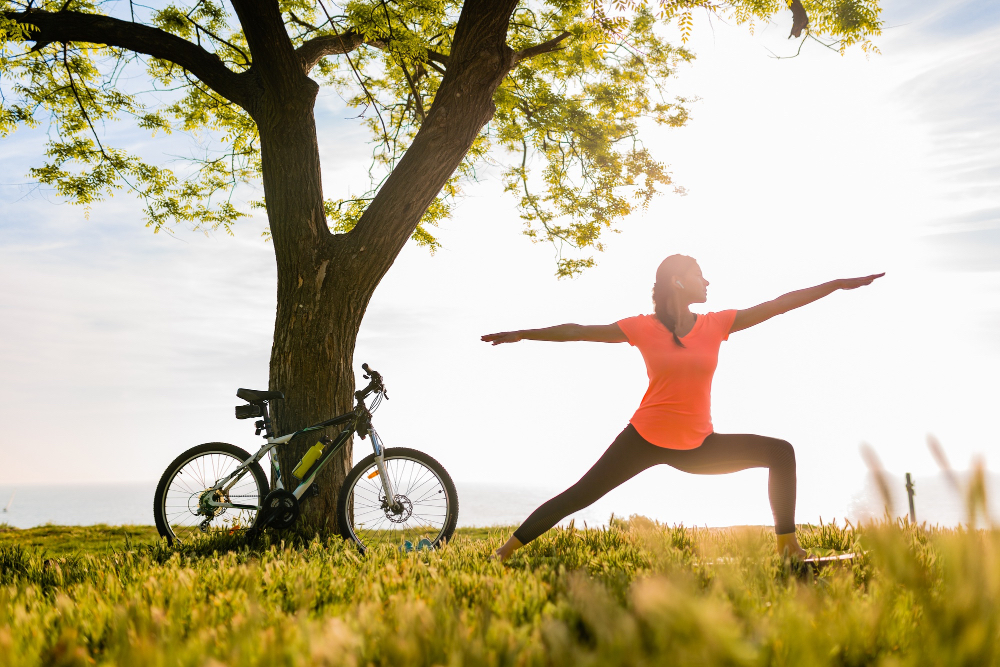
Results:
<point x="676" y="411"/>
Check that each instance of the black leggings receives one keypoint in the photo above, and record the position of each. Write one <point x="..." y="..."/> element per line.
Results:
<point x="630" y="454"/>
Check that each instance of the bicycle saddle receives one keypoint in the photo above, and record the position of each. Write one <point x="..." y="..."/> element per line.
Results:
<point x="254" y="395"/>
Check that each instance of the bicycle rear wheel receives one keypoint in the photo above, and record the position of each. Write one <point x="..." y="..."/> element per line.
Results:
<point x="177" y="506"/>
<point x="426" y="507"/>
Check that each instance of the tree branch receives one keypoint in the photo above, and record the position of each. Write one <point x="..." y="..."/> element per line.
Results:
<point x="800" y="20"/>
<point x="308" y="26"/>
<point x="538" y="49"/>
<point x="463" y="104"/>
<point x="413" y="89"/>
<point x="95" y="29"/>
<point x="313" y="50"/>
<point x="83" y="110"/>
<point x="246" y="57"/>
<point x="435" y="57"/>
<point x="272" y="51"/>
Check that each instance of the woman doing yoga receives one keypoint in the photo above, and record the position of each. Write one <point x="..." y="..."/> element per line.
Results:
<point x="673" y="424"/>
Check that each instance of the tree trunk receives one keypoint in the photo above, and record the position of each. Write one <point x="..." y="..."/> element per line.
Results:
<point x="325" y="281"/>
<point x="318" y="315"/>
<point x="312" y="361"/>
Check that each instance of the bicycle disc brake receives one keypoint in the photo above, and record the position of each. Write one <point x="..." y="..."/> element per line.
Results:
<point x="400" y="511"/>
<point x="280" y="510"/>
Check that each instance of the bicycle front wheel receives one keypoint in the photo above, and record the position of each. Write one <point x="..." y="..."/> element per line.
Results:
<point x="424" y="511"/>
<point x="179" y="506"/>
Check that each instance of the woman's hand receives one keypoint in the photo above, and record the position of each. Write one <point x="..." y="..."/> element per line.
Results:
<point x="502" y="337"/>
<point x="854" y="283"/>
<point x="786" y="302"/>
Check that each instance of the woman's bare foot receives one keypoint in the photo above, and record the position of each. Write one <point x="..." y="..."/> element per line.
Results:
<point x="788" y="545"/>
<point x="509" y="547"/>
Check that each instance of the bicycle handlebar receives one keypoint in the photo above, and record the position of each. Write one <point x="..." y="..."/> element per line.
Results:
<point x="374" y="385"/>
<point x="373" y="374"/>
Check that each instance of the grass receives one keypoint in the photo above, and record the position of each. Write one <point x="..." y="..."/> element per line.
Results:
<point x="56" y="541"/>
<point x="66" y="540"/>
<point x="636" y="593"/>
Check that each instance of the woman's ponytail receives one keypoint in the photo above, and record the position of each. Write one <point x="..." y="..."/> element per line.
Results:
<point x="665" y="305"/>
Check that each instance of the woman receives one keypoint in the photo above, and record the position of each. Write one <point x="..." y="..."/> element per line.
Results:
<point x="673" y="424"/>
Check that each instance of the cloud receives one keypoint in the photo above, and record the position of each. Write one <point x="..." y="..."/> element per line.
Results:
<point x="957" y="96"/>
<point x="953" y="50"/>
<point x="970" y="250"/>
<point x="935" y="21"/>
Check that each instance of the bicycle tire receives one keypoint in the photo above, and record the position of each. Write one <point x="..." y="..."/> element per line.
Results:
<point x="395" y="531"/>
<point x="165" y="485"/>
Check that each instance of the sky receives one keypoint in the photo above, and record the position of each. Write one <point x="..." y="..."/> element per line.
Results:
<point x="120" y="348"/>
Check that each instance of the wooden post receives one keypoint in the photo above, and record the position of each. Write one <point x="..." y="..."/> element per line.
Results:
<point x="910" y="493"/>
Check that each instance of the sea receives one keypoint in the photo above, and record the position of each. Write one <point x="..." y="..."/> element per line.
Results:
<point x="938" y="502"/>
<point x="30" y="505"/>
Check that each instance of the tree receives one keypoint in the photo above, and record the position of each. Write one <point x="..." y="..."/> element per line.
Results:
<point x="561" y="82"/>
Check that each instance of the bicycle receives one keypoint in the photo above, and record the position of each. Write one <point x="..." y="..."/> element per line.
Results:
<point x="218" y="486"/>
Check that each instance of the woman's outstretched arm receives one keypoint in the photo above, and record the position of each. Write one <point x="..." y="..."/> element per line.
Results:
<point x="786" y="302"/>
<point x="599" y="333"/>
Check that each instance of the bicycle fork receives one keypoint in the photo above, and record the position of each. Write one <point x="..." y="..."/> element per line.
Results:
<point x="383" y="474"/>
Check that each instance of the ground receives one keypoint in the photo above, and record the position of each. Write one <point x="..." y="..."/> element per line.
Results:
<point x="634" y="593"/>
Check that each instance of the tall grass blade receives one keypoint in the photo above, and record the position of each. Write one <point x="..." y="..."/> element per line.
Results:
<point x="878" y="473"/>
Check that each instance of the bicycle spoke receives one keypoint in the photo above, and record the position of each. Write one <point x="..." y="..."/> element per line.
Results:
<point x="180" y="501"/>
<point x="417" y="487"/>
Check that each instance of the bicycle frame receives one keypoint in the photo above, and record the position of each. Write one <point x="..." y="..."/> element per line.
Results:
<point x="351" y="418"/>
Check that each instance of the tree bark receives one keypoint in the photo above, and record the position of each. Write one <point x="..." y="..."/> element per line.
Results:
<point x="318" y="314"/>
<point x="316" y="322"/>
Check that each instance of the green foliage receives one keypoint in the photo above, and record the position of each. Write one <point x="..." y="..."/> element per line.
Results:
<point x="565" y="134"/>
<point x="636" y="593"/>
<point x="577" y="109"/>
<point x="78" y="89"/>
<point x="846" y="22"/>
<point x="849" y="22"/>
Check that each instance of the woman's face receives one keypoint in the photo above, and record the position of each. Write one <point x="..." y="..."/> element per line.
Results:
<point x="695" y="287"/>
